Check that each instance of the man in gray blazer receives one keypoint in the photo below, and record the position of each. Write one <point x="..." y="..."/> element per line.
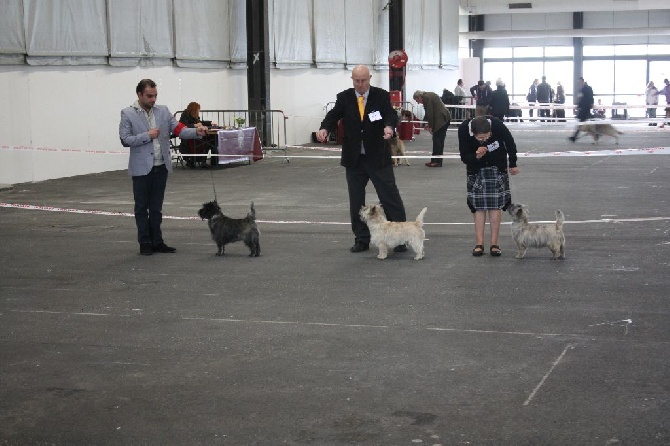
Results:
<point x="145" y="128"/>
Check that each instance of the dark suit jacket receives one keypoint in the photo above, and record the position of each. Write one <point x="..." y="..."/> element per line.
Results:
<point x="370" y="133"/>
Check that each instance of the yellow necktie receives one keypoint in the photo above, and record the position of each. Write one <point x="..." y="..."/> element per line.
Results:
<point x="361" y="106"/>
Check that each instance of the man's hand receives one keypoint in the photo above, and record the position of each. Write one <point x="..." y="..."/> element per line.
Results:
<point x="322" y="135"/>
<point x="481" y="151"/>
<point x="513" y="170"/>
<point x="154" y="133"/>
<point x="388" y="132"/>
<point x="201" y="131"/>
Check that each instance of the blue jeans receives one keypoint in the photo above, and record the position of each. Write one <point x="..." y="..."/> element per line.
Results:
<point x="149" y="191"/>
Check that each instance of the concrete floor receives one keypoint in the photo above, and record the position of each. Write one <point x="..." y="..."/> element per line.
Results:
<point x="310" y="344"/>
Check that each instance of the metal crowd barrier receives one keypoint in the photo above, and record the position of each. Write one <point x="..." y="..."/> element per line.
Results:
<point x="271" y="124"/>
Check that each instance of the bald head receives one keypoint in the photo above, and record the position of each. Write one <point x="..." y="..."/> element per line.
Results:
<point x="360" y="76"/>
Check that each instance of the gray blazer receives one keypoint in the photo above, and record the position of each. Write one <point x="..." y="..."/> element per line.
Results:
<point x="134" y="133"/>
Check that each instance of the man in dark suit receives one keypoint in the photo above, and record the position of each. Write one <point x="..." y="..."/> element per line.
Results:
<point x="366" y="153"/>
<point x="584" y="104"/>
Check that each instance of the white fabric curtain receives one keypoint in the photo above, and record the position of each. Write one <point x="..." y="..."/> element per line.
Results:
<point x="202" y="36"/>
<point x="238" y="33"/>
<point x="62" y="32"/>
<point x="12" y="35"/>
<point x="430" y="34"/>
<point x="422" y="33"/>
<point x="449" y="21"/>
<point x="381" y="48"/>
<point x="141" y="32"/>
<point x="359" y="31"/>
<point x="329" y="40"/>
<point x="212" y="33"/>
<point x="293" y="34"/>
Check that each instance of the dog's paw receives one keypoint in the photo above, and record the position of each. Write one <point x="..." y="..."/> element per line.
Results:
<point x="381" y="257"/>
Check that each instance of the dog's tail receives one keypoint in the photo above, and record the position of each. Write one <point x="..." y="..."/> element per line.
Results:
<point x="560" y="218"/>
<point x="252" y="212"/>
<point x="419" y="217"/>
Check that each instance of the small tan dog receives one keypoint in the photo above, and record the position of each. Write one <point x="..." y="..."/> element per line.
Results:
<point x="532" y="235"/>
<point x="398" y="149"/>
<point x="598" y="130"/>
<point x="384" y="233"/>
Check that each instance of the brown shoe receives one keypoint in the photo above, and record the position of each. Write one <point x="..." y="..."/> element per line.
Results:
<point x="432" y="164"/>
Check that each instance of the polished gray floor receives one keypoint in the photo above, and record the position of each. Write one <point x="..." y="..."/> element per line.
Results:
<point x="310" y="344"/>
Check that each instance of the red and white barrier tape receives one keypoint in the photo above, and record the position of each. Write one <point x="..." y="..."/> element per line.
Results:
<point x="32" y="207"/>
<point x="606" y="152"/>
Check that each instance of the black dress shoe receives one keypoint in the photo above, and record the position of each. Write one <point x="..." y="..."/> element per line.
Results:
<point x="400" y="248"/>
<point x="146" y="249"/>
<point x="162" y="247"/>
<point x="360" y="247"/>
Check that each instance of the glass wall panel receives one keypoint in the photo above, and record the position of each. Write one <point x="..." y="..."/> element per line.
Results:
<point x="658" y="49"/>
<point x="524" y="73"/>
<point x="659" y="70"/>
<point x="528" y="51"/>
<point x="503" y="70"/>
<point x="599" y="74"/>
<point x="605" y="50"/>
<point x="560" y="72"/>
<point x="496" y="53"/>
<point x="558" y="51"/>
<point x="630" y="80"/>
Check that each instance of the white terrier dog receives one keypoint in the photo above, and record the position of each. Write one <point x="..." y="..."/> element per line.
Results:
<point x="533" y="235"/>
<point x="384" y="233"/>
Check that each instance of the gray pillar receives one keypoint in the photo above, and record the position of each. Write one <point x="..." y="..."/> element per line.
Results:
<point x="397" y="42"/>
<point x="476" y="23"/>
<point x="578" y="47"/>
<point x="258" y="66"/>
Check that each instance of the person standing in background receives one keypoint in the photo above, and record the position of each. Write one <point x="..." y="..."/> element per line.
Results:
<point x="651" y="98"/>
<point x="531" y="97"/>
<point x="459" y="91"/>
<point x="438" y="118"/>
<point x="666" y="92"/>
<point x="559" y="99"/>
<point x="584" y="104"/>
<point x="482" y="94"/>
<point x="544" y="97"/>
<point x="500" y="101"/>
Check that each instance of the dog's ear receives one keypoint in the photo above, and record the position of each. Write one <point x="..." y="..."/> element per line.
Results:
<point x="519" y="212"/>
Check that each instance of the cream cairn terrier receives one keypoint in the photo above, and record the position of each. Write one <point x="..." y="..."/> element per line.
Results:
<point x="533" y="235"/>
<point x="385" y="234"/>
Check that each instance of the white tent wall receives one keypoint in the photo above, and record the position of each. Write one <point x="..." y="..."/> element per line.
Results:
<point x="78" y="109"/>
<point x="63" y="86"/>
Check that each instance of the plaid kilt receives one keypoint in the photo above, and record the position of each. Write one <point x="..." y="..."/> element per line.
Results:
<point x="488" y="189"/>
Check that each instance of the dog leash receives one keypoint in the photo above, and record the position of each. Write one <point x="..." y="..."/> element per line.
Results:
<point x="213" y="187"/>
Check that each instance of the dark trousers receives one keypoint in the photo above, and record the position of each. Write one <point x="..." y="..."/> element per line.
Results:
<point x="582" y="115"/>
<point x="384" y="182"/>
<point x="438" y="143"/>
<point x="544" y="113"/>
<point x="149" y="191"/>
